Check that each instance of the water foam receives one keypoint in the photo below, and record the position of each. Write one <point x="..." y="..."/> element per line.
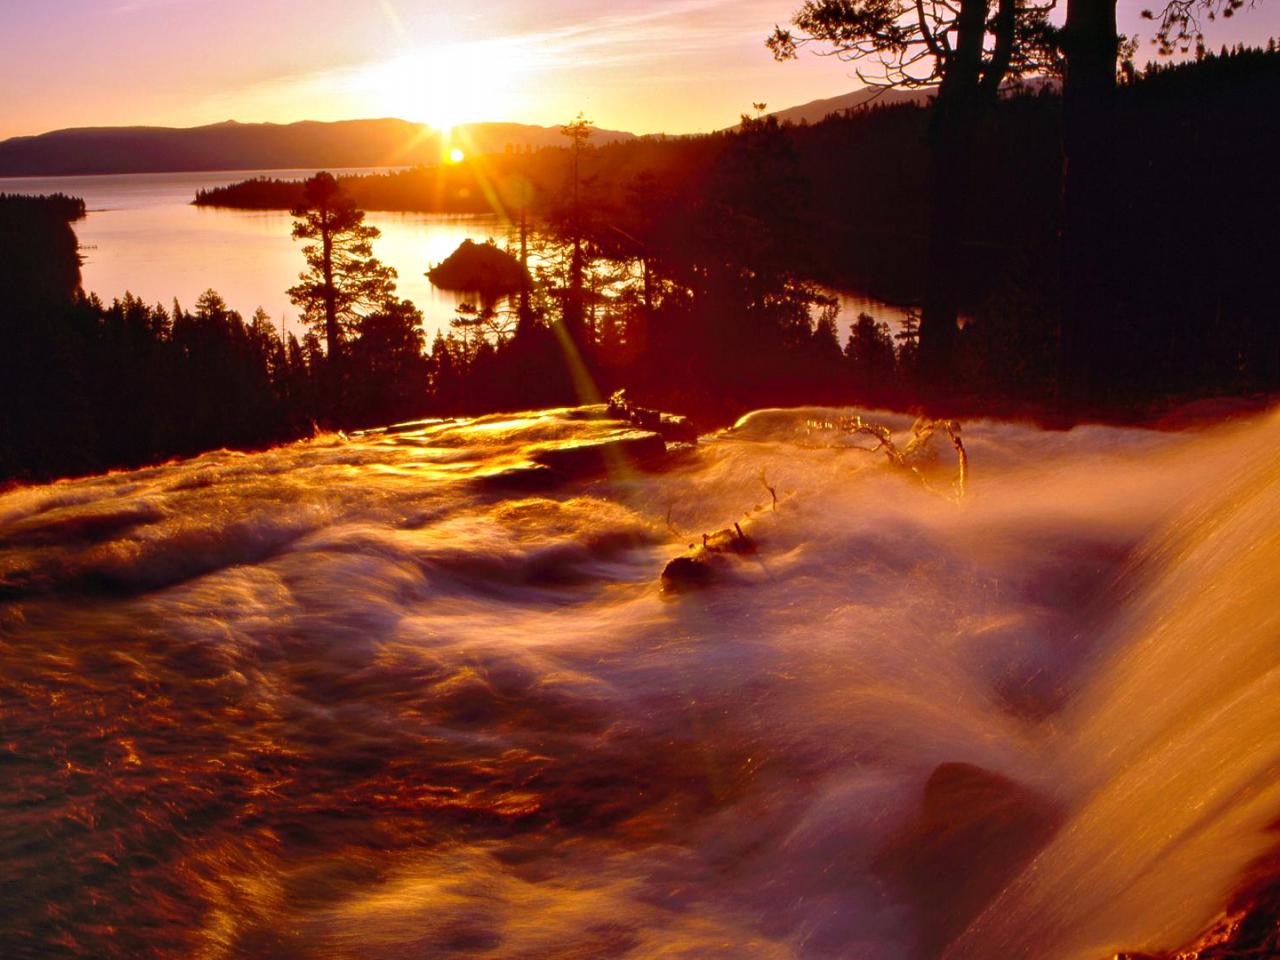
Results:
<point x="348" y="698"/>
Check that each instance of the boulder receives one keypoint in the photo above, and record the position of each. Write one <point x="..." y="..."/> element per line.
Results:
<point x="974" y="831"/>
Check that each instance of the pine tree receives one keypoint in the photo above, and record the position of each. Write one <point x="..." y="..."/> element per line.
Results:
<point x="578" y="132"/>
<point x="343" y="280"/>
<point x="870" y="356"/>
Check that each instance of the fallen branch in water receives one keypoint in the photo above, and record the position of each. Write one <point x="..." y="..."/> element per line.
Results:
<point x="961" y="483"/>
<point x="922" y="432"/>
<point x="696" y="567"/>
<point x="772" y="490"/>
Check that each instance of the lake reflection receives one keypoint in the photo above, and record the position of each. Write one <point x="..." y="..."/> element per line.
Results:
<point x="251" y="259"/>
<point x="143" y="235"/>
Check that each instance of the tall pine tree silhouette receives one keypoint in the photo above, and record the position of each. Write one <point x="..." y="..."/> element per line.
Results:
<point x="343" y="281"/>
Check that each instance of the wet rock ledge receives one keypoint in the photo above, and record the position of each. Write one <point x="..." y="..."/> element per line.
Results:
<point x="1249" y="927"/>
<point x="671" y="427"/>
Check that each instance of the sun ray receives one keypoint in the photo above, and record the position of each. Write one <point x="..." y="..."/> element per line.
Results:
<point x="393" y="18"/>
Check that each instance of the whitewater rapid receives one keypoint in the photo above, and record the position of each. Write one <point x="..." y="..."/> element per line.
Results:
<point x="415" y="694"/>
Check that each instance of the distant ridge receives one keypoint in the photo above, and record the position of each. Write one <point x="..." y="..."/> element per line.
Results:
<point x="815" y="111"/>
<point x="261" y="146"/>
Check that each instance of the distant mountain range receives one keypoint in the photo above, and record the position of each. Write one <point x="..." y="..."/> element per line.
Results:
<point x="261" y="146"/>
<point x="314" y="144"/>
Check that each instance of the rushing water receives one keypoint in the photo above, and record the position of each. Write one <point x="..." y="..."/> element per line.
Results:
<point x="403" y="696"/>
<point x="143" y="235"/>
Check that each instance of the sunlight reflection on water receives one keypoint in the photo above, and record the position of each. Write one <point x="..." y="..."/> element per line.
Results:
<point x="143" y="235"/>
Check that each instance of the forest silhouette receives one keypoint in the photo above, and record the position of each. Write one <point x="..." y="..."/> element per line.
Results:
<point x="692" y="272"/>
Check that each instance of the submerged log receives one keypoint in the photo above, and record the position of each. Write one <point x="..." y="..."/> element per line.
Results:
<point x="697" y="567"/>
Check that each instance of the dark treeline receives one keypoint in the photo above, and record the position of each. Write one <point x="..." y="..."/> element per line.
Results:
<point x="38" y="260"/>
<point x="61" y="207"/>
<point x="85" y="386"/>
<point x="489" y="183"/>
<point x="1191" y="242"/>
<point x="682" y="270"/>
<point x="720" y="233"/>
<point x="443" y="189"/>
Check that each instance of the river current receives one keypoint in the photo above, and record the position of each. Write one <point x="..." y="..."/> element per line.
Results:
<point x="421" y="693"/>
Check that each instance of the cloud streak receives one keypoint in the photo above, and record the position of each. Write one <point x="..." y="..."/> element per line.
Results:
<point x="545" y="58"/>
<point x="672" y="32"/>
<point x="131" y="7"/>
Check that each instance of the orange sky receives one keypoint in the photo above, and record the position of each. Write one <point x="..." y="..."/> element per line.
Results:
<point x="642" y="65"/>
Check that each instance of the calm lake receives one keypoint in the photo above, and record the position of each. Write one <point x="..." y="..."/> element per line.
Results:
<point x="143" y="235"/>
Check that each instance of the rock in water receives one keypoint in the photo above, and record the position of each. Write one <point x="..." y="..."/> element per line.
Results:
<point x="974" y="831"/>
<point x="1249" y="927"/>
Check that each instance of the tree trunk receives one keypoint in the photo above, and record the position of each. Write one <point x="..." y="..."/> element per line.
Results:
<point x="524" y="313"/>
<point x="574" y="307"/>
<point x="333" y="335"/>
<point x="1088" y="202"/>
<point x="949" y="168"/>
<point x="955" y="112"/>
